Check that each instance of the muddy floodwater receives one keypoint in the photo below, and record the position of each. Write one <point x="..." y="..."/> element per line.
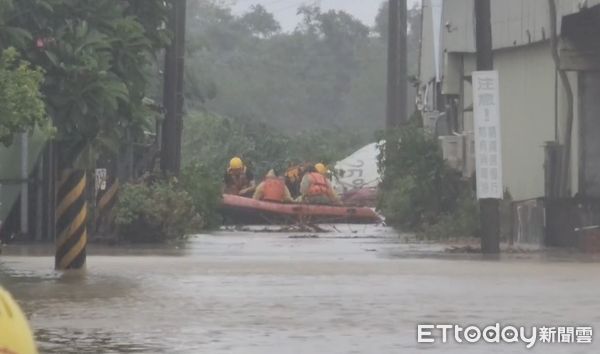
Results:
<point x="354" y="290"/>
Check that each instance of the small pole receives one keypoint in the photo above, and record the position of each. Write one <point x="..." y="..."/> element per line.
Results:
<point x="39" y="199"/>
<point x="24" y="184"/>
<point x="392" y="66"/>
<point x="402" y="63"/>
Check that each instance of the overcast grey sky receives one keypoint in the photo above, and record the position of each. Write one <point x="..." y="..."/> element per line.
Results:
<point x="285" y="10"/>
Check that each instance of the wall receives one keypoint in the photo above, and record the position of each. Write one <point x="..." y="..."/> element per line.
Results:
<point x="527" y="110"/>
<point x="514" y="22"/>
<point x="590" y="131"/>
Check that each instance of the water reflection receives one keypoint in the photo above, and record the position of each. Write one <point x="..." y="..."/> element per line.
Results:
<point x="66" y="341"/>
<point x="269" y="293"/>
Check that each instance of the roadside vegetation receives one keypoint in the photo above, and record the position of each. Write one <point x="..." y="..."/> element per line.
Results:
<point x="420" y="192"/>
<point x="210" y="140"/>
<point x="156" y="212"/>
<point x="21" y="106"/>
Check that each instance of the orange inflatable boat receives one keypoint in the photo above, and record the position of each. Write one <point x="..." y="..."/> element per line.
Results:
<point x="249" y="211"/>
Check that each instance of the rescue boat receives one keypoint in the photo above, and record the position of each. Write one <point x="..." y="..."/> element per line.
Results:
<point x="244" y="210"/>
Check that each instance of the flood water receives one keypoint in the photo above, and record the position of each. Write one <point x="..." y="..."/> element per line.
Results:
<point x="354" y="290"/>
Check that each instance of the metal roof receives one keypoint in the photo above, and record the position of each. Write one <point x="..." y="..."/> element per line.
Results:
<point x="514" y="22"/>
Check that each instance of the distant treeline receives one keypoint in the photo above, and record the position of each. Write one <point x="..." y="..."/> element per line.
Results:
<point x="330" y="72"/>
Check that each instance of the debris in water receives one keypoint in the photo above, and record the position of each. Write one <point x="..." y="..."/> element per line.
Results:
<point x="303" y="236"/>
<point x="294" y="228"/>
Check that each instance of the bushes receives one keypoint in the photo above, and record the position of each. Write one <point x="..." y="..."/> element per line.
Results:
<point x="168" y="210"/>
<point x="155" y="213"/>
<point x="204" y="190"/>
<point x="420" y="192"/>
<point x="462" y="221"/>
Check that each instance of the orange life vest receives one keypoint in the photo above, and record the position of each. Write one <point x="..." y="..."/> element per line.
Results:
<point x="239" y="181"/>
<point x="273" y="190"/>
<point x="318" y="185"/>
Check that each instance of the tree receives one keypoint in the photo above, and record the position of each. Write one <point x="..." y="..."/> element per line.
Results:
<point x="260" y="22"/>
<point x="93" y="53"/>
<point x="21" y="104"/>
<point x="326" y="74"/>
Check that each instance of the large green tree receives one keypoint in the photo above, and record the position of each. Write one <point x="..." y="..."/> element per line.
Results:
<point x="93" y="53"/>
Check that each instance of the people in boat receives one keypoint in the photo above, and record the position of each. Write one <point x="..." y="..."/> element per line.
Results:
<point x="315" y="188"/>
<point x="15" y="334"/>
<point x="239" y="179"/>
<point x="293" y="177"/>
<point x="273" y="189"/>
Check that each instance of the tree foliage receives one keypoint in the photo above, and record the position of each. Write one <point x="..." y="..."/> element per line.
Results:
<point x="210" y="141"/>
<point x="329" y="73"/>
<point x="260" y="22"/>
<point x="420" y="192"/>
<point x="93" y="53"/>
<point x="21" y="104"/>
<point x="159" y="212"/>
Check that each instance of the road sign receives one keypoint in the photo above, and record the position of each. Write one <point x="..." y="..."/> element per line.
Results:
<point x="488" y="138"/>
<point x="100" y="179"/>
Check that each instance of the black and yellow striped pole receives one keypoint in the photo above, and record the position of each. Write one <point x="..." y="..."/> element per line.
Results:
<point x="71" y="220"/>
<point x="105" y="201"/>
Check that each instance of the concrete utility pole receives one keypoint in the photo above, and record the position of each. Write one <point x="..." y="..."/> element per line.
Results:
<point x="397" y="65"/>
<point x="24" y="184"/>
<point x="489" y="208"/>
<point x="170" y="161"/>
<point x="397" y="73"/>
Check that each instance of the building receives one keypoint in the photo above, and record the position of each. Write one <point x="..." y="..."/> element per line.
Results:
<point x="535" y="98"/>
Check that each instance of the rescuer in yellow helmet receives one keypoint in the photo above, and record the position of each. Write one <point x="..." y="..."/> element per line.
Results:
<point x="315" y="187"/>
<point x="293" y="176"/>
<point x="321" y="169"/>
<point x="15" y="334"/>
<point x="238" y="178"/>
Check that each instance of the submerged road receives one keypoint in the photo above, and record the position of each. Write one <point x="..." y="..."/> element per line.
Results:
<point x="355" y="290"/>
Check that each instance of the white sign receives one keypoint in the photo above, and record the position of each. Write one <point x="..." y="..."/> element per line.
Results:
<point x="359" y="170"/>
<point x="100" y="179"/>
<point x="488" y="141"/>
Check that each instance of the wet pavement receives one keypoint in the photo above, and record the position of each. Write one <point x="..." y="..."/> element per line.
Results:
<point x="358" y="289"/>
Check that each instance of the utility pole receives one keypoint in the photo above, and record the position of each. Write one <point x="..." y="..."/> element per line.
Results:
<point x="397" y="76"/>
<point x="170" y="161"/>
<point x="489" y="207"/>
<point x="397" y="65"/>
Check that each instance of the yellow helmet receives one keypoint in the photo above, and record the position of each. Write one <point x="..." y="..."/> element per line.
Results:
<point x="321" y="168"/>
<point x="236" y="163"/>
<point x="15" y="334"/>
